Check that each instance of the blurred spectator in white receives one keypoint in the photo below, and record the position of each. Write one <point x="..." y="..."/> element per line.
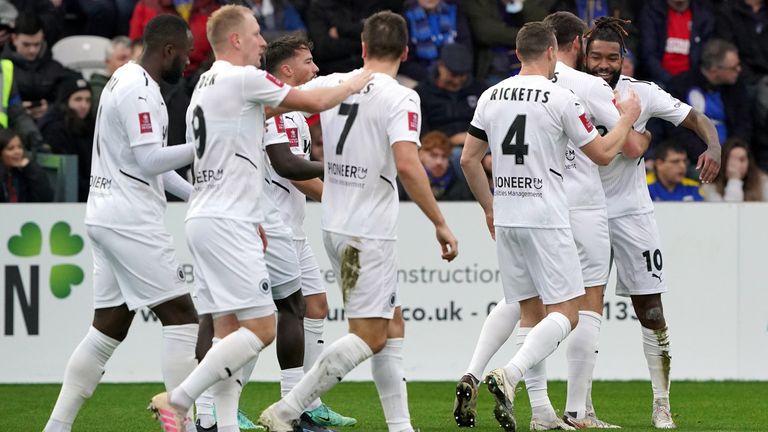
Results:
<point x="68" y="128"/>
<point x="445" y="178"/>
<point x="432" y="24"/>
<point x="740" y="179"/>
<point x="673" y="33"/>
<point x="37" y="74"/>
<point x="118" y="54"/>
<point x="494" y="25"/>
<point x="21" y="178"/>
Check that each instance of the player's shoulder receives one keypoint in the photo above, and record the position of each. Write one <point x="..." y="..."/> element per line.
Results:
<point x="131" y="76"/>
<point x="639" y="86"/>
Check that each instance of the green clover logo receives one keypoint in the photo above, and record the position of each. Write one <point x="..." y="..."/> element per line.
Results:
<point x="62" y="243"/>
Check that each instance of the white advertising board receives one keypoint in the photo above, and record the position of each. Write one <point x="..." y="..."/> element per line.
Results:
<point x="713" y="259"/>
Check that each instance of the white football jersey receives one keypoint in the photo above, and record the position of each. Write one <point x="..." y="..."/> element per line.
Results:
<point x="582" y="179"/>
<point x="291" y="128"/>
<point x="359" y="193"/>
<point x="527" y="121"/>
<point x="131" y="113"/>
<point x="225" y="119"/>
<point x="624" y="182"/>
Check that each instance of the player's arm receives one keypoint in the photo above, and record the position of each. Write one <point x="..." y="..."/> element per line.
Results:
<point x="312" y="188"/>
<point x="321" y="99"/>
<point x="602" y="149"/>
<point x="475" y="148"/>
<point x="175" y="185"/>
<point x="637" y="144"/>
<point x="290" y="166"/>
<point x="414" y="180"/>
<point x="154" y="159"/>
<point x="709" y="161"/>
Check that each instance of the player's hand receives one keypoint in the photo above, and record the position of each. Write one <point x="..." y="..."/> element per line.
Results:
<point x="448" y="242"/>
<point x="263" y="235"/>
<point x="708" y="165"/>
<point x="491" y="226"/>
<point x="630" y="106"/>
<point x="359" y="80"/>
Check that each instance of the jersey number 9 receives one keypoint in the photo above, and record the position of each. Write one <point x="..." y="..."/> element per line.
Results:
<point x="198" y="130"/>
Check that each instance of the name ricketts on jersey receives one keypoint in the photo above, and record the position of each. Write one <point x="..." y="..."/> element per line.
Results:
<point x="360" y="196"/>
<point x="624" y="181"/>
<point x="527" y="120"/>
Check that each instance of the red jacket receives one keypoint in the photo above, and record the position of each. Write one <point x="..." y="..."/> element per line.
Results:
<point x="147" y="9"/>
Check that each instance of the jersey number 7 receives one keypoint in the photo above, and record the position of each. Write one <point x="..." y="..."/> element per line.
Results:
<point x="349" y="110"/>
<point x="517" y="132"/>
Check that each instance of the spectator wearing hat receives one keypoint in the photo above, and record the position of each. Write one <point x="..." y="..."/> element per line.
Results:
<point x="68" y="128"/>
<point x="431" y="25"/>
<point x="37" y="74"/>
<point x="449" y="96"/>
<point x="445" y="178"/>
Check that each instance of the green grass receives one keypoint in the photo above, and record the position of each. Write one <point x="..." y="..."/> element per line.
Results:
<point x="697" y="406"/>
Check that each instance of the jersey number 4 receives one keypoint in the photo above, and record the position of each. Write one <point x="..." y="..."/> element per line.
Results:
<point x="516" y="132"/>
<point x="349" y="110"/>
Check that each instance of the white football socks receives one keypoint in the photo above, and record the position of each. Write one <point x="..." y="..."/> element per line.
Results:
<point x="542" y="340"/>
<point x="582" y="355"/>
<point x="223" y="361"/>
<point x="289" y="378"/>
<point x="497" y="328"/>
<point x="313" y="347"/>
<point x="536" y="383"/>
<point x="83" y="373"/>
<point x="656" y="348"/>
<point x="335" y="363"/>
<point x="389" y="376"/>
<point x="178" y="353"/>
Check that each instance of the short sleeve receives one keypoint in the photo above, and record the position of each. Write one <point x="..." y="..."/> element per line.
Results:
<point x="477" y="125"/>
<point x="576" y="124"/>
<point x="282" y="129"/>
<point x="263" y="88"/>
<point x="141" y="116"/>
<point x="602" y="106"/>
<point x="665" y="106"/>
<point x="404" y="122"/>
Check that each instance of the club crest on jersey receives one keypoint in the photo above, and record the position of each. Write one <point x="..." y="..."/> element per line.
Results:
<point x="570" y="154"/>
<point x="585" y="121"/>
<point x="264" y="286"/>
<point x="392" y="300"/>
<point x="293" y="136"/>
<point x="274" y="80"/>
<point x="413" y="121"/>
<point x="145" y="123"/>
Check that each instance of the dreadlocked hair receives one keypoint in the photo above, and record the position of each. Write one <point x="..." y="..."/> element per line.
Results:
<point x="609" y="29"/>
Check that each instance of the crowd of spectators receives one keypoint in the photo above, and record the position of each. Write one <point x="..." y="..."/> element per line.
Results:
<point x="711" y="54"/>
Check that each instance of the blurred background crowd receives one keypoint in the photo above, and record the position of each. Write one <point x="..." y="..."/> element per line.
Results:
<point x="57" y="56"/>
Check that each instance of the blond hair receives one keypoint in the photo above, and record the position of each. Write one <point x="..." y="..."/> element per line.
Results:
<point x="224" y="21"/>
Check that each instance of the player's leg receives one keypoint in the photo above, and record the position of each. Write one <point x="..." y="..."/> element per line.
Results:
<point x="389" y="376"/>
<point x="111" y="320"/>
<point x="87" y="364"/>
<point x="179" y="319"/>
<point x="591" y="235"/>
<point x="367" y="272"/>
<point x="204" y="405"/>
<point x="497" y="328"/>
<point x="533" y="275"/>
<point x="290" y="339"/>
<point x="639" y="265"/>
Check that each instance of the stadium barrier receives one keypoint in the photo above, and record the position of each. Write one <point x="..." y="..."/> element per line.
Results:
<point x="714" y="259"/>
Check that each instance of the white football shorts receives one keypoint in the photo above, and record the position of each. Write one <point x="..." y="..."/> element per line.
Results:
<point x="538" y="262"/>
<point x="311" y="280"/>
<point x="637" y="254"/>
<point x="135" y="267"/>
<point x="282" y="263"/>
<point x="367" y="273"/>
<point x="590" y="232"/>
<point x="230" y="272"/>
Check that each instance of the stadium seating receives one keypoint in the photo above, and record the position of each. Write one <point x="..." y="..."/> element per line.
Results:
<point x="85" y="54"/>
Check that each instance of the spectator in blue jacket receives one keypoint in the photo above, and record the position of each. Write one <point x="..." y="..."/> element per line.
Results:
<point x="431" y="25"/>
<point x="673" y="32"/>
<point x="669" y="182"/>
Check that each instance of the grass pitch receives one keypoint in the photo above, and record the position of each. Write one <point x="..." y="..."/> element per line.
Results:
<point x="696" y="406"/>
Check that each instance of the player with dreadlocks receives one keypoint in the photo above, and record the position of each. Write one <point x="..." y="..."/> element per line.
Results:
<point x="633" y="231"/>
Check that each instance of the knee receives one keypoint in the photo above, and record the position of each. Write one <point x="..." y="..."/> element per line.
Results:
<point x="652" y="317"/>
<point x="377" y="343"/>
<point x="293" y="306"/>
<point x="316" y="307"/>
<point x="267" y="336"/>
